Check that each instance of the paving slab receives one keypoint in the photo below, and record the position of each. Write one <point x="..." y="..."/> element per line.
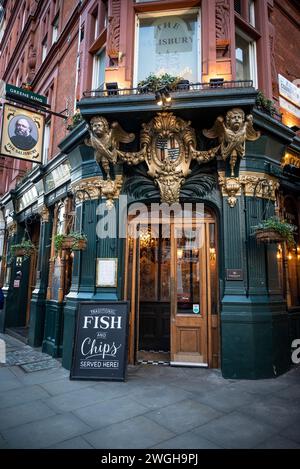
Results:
<point x="61" y="386"/>
<point x="69" y="401"/>
<point x="292" y="432"/>
<point x="46" y="432"/>
<point x="278" y="442"/>
<point x="263" y="386"/>
<point x="160" y="396"/>
<point x="226" y="400"/>
<point x="24" y="413"/>
<point x="181" y="418"/>
<point x="22" y="395"/>
<point x="236" y="431"/>
<point x="73" y="443"/>
<point x="110" y="412"/>
<point x="273" y="410"/>
<point x="138" y="432"/>
<point x="188" y="440"/>
<point x="291" y="393"/>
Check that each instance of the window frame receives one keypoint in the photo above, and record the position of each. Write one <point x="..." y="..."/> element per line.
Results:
<point x="252" y="55"/>
<point x="162" y="13"/>
<point x="96" y="69"/>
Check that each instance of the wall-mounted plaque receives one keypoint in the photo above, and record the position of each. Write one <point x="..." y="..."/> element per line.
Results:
<point x="234" y="274"/>
<point x="106" y="272"/>
<point x="100" y="346"/>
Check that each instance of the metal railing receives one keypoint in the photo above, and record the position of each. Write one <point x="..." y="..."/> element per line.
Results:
<point x="181" y="87"/>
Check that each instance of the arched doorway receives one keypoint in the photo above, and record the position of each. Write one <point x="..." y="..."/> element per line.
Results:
<point x="172" y="285"/>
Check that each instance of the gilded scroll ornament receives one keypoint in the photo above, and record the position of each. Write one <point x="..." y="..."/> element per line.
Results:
<point x="231" y="187"/>
<point x="168" y="146"/>
<point x="96" y="187"/>
<point x="232" y="134"/>
<point x="252" y="184"/>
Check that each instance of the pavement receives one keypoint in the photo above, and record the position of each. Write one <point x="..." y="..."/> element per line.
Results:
<point x="157" y="407"/>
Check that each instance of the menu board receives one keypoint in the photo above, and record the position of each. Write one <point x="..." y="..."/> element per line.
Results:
<point x="100" y="346"/>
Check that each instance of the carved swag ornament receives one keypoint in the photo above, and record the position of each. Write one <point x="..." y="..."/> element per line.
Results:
<point x="168" y="146"/>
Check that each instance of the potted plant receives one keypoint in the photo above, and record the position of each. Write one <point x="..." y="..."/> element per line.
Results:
<point x="274" y="230"/>
<point x="153" y="83"/>
<point x="24" y="249"/>
<point x="74" y="241"/>
<point x="265" y="105"/>
<point x="76" y="119"/>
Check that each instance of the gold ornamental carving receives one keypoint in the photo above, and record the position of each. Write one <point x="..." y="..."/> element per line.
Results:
<point x="251" y="184"/>
<point x="12" y="229"/>
<point x="231" y="188"/>
<point x="232" y="135"/>
<point x="97" y="187"/>
<point x="259" y="185"/>
<point x="44" y="213"/>
<point x="290" y="159"/>
<point x="105" y="140"/>
<point x="168" y="146"/>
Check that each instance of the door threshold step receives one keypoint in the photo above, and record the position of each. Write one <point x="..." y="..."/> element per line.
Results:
<point x="153" y="357"/>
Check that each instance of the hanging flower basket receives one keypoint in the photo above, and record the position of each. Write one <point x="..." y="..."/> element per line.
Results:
<point x="274" y="230"/>
<point x="23" y="249"/>
<point x="73" y="242"/>
<point x="268" y="236"/>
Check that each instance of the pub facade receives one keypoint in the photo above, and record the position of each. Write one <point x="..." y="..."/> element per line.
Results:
<point x="167" y="183"/>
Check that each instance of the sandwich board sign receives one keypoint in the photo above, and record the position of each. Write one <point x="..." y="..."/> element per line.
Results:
<point x="100" y="346"/>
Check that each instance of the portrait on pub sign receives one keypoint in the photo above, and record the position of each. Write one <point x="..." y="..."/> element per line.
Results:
<point x="22" y="134"/>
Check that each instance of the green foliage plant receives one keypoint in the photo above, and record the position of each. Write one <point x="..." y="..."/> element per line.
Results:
<point x="265" y="104"/>
<point x="25" y="248"/>
<point x="284" y="229"/>
<point x="154" y="82"/>
<point x="75" y="237"/>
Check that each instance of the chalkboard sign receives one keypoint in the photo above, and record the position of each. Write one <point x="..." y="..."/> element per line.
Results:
<point x="100" y="347"/>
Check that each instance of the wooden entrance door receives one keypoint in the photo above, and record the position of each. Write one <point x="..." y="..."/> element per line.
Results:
<point x="189" y="318"/>
<point x="173" y="288"/>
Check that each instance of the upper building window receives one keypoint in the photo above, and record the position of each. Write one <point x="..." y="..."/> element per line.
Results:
<point x="238" y="6"/>
<point x="55" y="29"/>
<point x="251" y="6"/>
<point x="171" y="43"/>
<point x="99" y="70"/>
<point x="245" y="54"/>
<point x="44" y="49"/>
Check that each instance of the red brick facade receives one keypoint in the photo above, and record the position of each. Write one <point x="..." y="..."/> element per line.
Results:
<point x="66" y="71"/>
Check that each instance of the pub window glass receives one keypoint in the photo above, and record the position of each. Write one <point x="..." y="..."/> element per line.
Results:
<point x="171" y="43"/>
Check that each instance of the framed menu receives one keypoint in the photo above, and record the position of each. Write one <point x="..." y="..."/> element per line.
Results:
<point x="106" y="272"/>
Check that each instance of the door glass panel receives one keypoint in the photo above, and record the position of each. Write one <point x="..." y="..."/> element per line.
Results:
<point x="213" y="268"/>
<point x="188" y="276"/>
<point x="149" y="252"/>
<point x="165" y="263"/>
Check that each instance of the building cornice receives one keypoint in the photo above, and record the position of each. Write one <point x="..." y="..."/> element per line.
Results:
<point x="74" y="138"/>
<point x="273" y="126"/>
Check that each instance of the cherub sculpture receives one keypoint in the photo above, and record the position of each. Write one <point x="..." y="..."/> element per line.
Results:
<point x="232" y="134"/>
<point x="105" y="141"/>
